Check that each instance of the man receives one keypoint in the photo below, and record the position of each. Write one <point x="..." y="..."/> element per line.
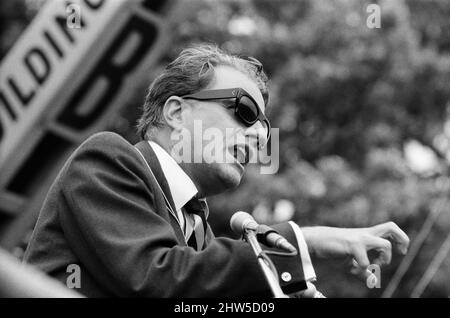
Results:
<point x="134" y="218"/>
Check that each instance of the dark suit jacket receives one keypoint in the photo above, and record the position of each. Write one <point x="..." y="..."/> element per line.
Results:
<point x="105" y="213"/>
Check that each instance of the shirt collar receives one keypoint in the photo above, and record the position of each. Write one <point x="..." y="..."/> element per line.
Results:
<point x="181" y="186"/>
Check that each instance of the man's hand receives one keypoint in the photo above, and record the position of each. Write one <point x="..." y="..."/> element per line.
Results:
<point x="332" y="242"/>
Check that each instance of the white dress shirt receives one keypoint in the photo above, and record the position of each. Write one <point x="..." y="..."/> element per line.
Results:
<point x="183" y="189"/>
<point x="181" y="186"/>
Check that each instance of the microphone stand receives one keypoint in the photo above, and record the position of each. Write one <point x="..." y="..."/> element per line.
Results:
<point x="272" y="280"/>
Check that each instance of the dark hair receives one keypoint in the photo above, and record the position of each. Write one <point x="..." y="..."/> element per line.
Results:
<point x="191" y="72"/>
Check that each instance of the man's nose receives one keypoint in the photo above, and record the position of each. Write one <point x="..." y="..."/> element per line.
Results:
<point x="258" y="133"/>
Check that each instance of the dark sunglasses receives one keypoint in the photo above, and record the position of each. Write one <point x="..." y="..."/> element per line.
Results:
<point x="245" y="107"/>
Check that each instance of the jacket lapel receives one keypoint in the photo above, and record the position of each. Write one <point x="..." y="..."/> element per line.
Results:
<point x="153" y="162"/>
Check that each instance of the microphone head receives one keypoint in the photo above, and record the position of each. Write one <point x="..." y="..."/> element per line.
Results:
<point x="242" y="220"/>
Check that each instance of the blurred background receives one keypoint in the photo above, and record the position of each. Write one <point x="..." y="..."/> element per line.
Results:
<point x="363" y="113"/>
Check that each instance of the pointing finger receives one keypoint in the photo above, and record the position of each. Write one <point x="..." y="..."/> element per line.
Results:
<point x="361" y="258"/>
<point x="390" y="230"/>
<point x="384" y="249"/>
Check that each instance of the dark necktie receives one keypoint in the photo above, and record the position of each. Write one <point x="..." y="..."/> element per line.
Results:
<point x="199" y="210"/>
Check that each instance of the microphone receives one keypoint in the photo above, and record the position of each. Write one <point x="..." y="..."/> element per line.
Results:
<point x="242" y="221"/>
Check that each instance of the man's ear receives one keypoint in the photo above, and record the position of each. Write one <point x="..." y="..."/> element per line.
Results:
<point x="172" y="112"/>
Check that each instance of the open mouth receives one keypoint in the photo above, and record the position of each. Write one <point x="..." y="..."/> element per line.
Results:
<point x="241" y="154"/>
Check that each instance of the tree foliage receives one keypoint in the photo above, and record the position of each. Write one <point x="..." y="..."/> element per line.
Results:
<point x="347" y="100"/>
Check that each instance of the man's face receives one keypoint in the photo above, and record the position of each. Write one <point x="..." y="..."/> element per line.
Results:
<point x="237" y="141"/>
